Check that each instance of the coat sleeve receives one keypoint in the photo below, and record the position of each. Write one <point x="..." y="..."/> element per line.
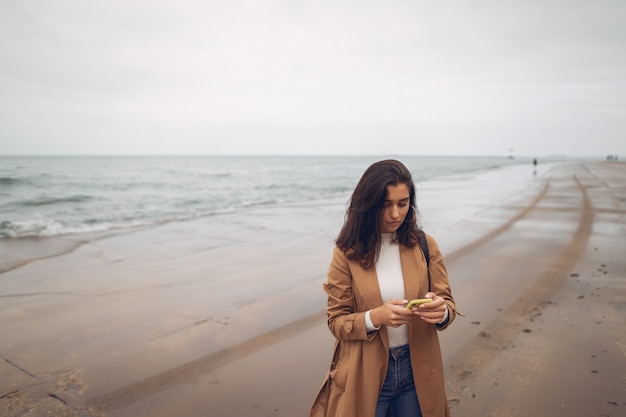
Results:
<point x="344" y="322"/>
<point x="439" y="283"/>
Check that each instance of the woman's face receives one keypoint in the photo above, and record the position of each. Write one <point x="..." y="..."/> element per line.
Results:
<point x="395" y="208"/>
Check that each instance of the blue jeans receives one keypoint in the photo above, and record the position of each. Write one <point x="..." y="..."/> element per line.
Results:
<point x="398" y="397"/>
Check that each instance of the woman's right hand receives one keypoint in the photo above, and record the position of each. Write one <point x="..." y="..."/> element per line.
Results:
<point x="392" y="314"/>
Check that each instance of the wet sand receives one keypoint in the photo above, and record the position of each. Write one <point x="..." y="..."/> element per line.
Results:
<point x="548" y="336"/>
<point x="223" y="316"/>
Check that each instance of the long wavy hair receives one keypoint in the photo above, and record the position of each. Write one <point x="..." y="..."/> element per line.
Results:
<point x="360" y="235"/>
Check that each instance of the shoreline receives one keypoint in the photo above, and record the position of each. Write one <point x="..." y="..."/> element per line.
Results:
<point x="21" y="250"/>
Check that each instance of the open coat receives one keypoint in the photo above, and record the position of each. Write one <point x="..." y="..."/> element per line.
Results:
<point x="359" y="364"/>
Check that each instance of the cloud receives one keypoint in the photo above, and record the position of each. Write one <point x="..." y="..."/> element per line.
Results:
<point x="198" y="76"/>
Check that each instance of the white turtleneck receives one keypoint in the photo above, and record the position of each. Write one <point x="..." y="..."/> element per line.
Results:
<point x="391" y="283"/>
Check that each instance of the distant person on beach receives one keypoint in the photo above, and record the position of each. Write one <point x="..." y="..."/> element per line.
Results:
<point x="535" y="166"/>
<point x="387" y="360"/>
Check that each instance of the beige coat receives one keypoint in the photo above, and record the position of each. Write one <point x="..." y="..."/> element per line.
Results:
<point x="359" y="364"/>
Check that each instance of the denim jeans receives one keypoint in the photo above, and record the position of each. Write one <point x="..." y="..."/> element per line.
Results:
<point x="398" y="397"/>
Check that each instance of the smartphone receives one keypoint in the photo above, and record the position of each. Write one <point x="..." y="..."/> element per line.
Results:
<point x="417" y="302"/>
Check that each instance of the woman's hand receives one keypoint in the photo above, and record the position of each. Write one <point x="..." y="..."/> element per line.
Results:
<point x="433" y="312"/>
<point x="392" y="314"/>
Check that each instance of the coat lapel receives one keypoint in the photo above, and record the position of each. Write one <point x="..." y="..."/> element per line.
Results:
<point x="414" y="284"/>
<point x="366" y="282"/>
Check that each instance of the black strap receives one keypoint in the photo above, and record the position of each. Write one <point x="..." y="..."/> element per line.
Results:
<point x="424" y="245"/>
<point x="421" y="237"/>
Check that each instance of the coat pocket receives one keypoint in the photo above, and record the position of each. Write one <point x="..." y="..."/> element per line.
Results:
<point x="338" y="379"/>
<point x="329" y="397"/>
<point x="338" y="373"/>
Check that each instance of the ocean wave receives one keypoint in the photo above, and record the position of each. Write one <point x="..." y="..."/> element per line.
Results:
<point x="44" y="201"/>
<point x="47" y="228"/>
<point x="216" y="175"/>
<point x="10" y="229"/>
<point x="11" y="181"/>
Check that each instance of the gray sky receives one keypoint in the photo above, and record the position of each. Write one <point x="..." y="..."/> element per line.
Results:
<point x="467" y="77"/>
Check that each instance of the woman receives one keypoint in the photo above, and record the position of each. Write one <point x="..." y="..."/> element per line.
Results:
<point x="387" y="360"/>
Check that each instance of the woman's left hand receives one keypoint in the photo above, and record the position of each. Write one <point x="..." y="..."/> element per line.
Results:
<point x="433" y="312"/>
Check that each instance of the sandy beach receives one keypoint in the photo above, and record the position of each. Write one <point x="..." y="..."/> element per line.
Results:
<point x="224" y="315"/>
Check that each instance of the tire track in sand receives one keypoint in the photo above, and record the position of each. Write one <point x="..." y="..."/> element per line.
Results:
<point x="463" y="367"/>
<point x="459" y="253"/>
<point x="190" y="370"/>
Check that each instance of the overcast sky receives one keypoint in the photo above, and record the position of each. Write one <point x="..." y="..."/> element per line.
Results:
<point x="532" y="77"/>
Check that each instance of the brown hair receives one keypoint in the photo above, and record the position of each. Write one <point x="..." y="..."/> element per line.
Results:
<point x="360" y="235"/>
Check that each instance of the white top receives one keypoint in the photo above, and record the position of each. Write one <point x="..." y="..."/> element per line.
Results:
<point x="391" y="283"/>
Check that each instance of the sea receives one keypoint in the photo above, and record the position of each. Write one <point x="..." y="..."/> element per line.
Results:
<point x="61" y="195"/>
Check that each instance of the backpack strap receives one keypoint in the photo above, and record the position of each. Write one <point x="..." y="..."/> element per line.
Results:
<point x="421" y="237"/>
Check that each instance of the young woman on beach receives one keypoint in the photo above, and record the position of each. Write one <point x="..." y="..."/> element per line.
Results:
<point x="387" y="360"/>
